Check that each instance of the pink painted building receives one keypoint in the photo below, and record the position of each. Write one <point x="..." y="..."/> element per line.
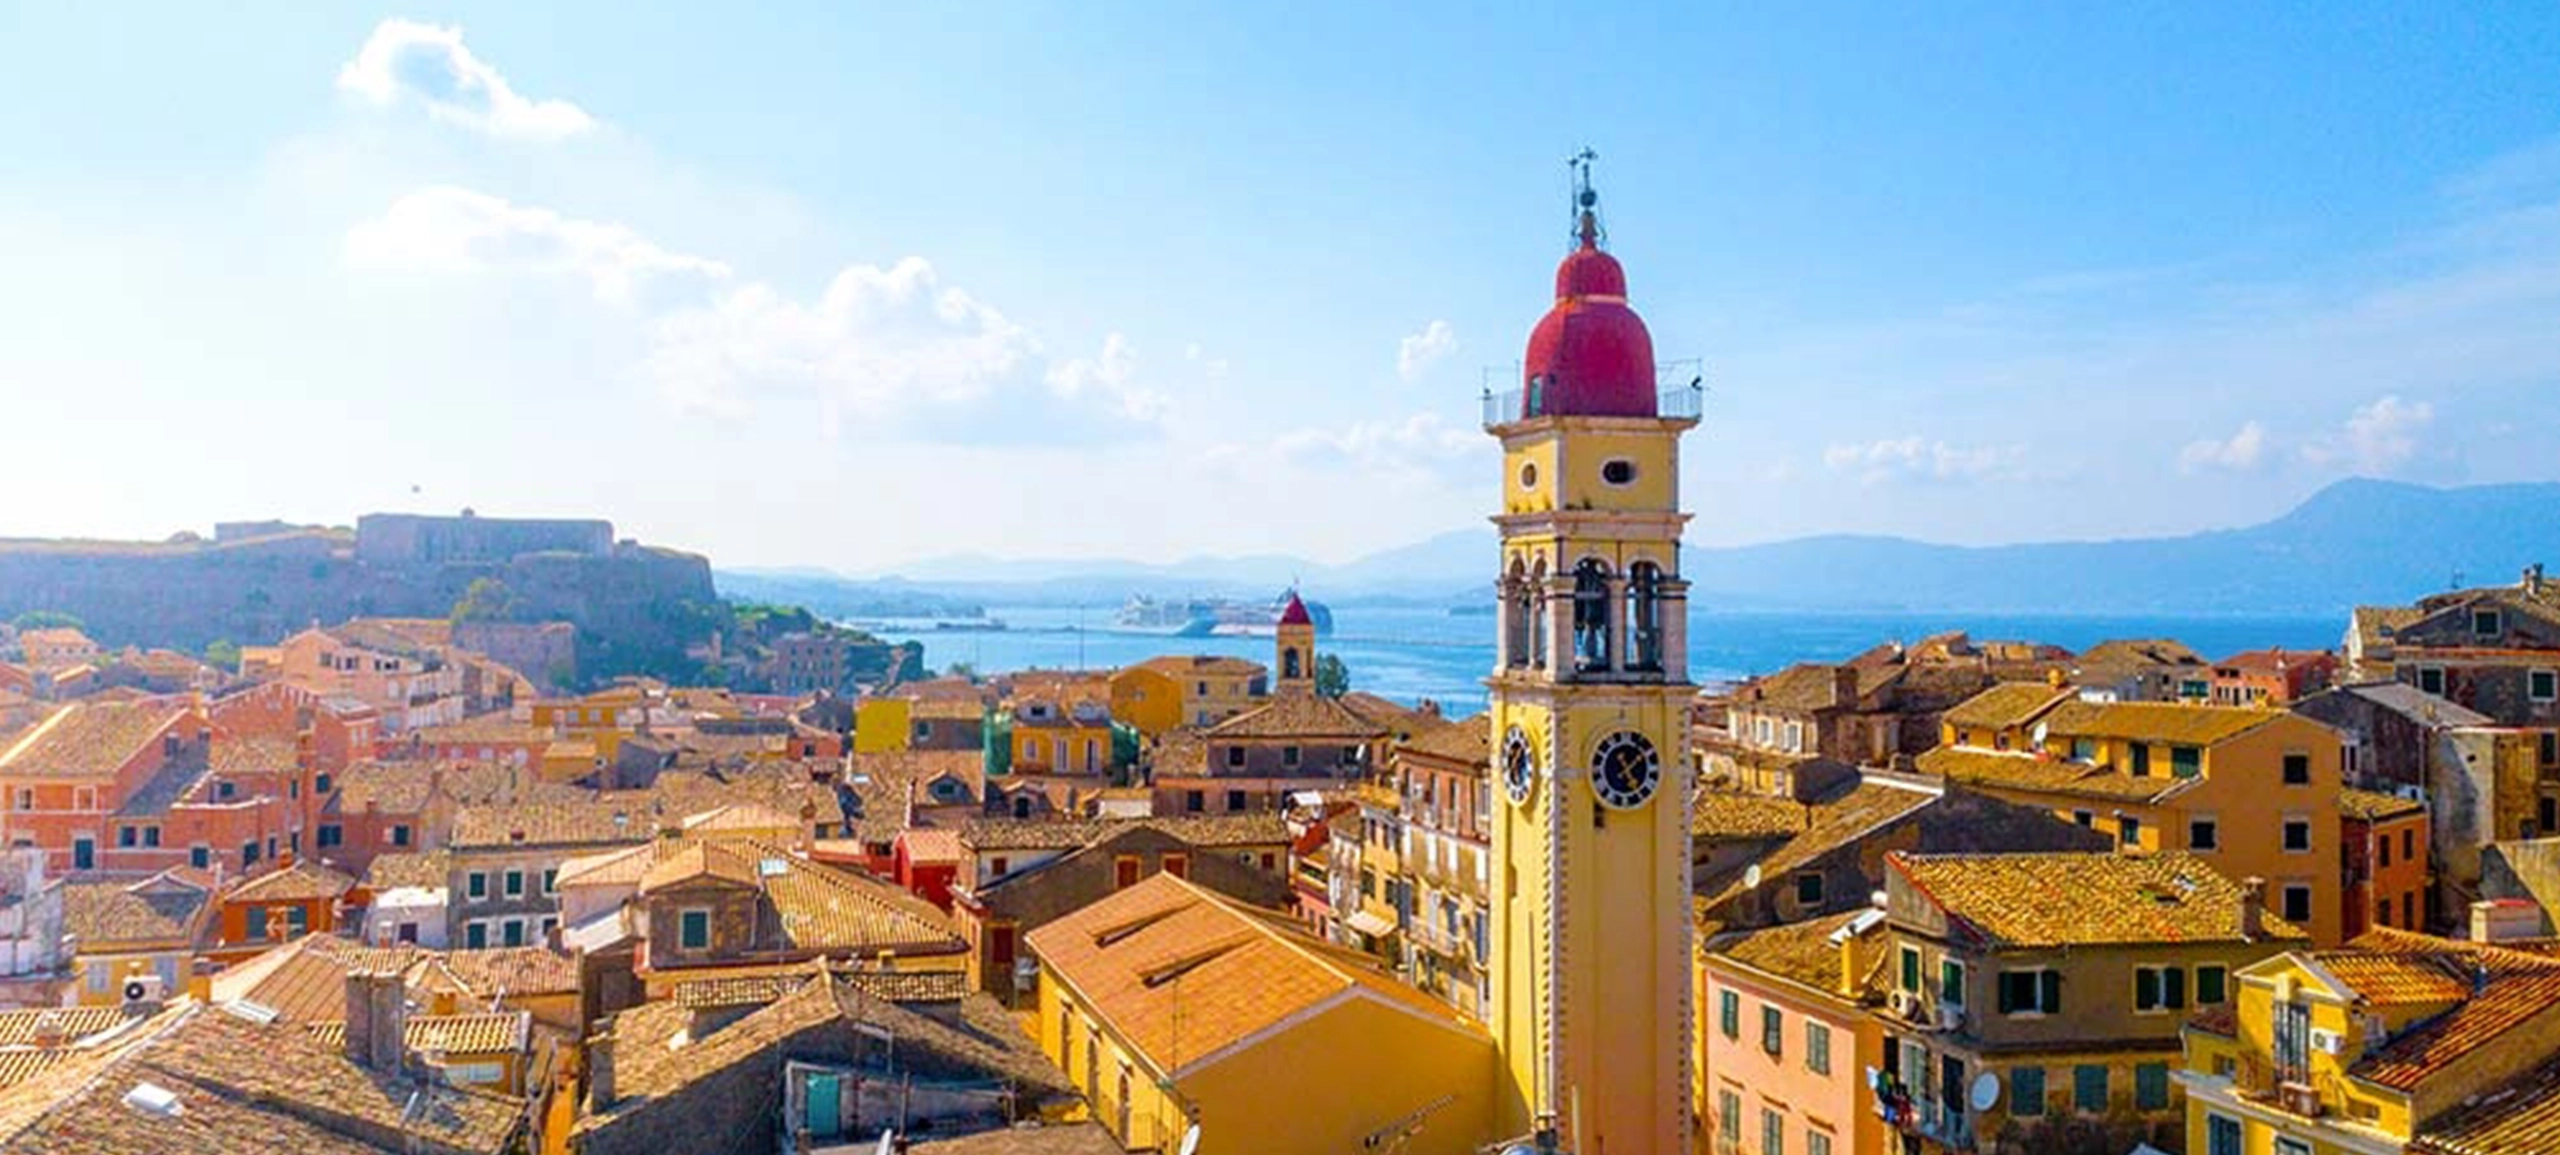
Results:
<point x="1785" y="1038"/>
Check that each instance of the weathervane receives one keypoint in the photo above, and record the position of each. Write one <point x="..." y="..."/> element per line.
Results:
<point x="1586" y="201"/>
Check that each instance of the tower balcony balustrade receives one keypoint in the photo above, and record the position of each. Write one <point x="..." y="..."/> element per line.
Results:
<point x="1680" y="395"/>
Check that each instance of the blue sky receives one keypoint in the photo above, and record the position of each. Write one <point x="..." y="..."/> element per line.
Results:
<point x="856" y="285"/>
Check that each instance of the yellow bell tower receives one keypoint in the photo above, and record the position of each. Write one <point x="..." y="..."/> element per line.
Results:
<point x="1590" y="694"/>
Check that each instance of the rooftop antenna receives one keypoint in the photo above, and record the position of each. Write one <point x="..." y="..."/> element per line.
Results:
<point x="1586" y="200"/>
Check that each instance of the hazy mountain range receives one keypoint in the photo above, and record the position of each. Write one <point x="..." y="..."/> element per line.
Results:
<point x="2355" y="542"/>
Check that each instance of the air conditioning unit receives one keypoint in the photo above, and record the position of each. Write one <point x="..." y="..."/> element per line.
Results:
<point x="1950" y="1018"/>
<point x="2328" y="1042"/>
<point x="1905" y="1003"/>
<point x="143" y="989"/>
<point x="2299" y="1099"/>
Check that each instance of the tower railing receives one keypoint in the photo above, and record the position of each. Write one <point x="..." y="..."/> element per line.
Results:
<point x="1680" y="394"/>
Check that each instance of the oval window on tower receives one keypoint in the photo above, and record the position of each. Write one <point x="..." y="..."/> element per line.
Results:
<point x="1528" y="475"/>
<point x="1619" y="472"/>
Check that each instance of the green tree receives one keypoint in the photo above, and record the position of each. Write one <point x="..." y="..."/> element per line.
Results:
<point x="222" y="654"/>
<point x="486" y="600"/>
<point x="1333" y="679"/>
<point x="965" y="670"/>
<point x="47" y="620"/>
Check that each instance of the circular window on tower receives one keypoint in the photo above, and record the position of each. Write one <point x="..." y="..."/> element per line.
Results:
<point x="1528" y="475"/>
<point x="1618" y="472"/>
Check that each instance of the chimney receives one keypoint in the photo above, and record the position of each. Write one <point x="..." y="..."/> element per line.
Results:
<point x="50" y="1032"/>
<point x="1844" y="685"/>
<point x="1849" y="985"/>
<point x="2505" y="920"/>
<point x="2253" y="908"/>
<point x="2533" y="579"/>
<point x="600" y="1089"/>
<point x="377" y="1012"/>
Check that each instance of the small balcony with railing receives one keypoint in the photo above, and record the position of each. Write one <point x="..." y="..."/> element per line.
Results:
<point x="1680" y="394"/>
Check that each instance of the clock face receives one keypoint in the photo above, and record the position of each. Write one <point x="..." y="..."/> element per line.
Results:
<point x="1519" y="769"/>
<point x="1625" y="771"/>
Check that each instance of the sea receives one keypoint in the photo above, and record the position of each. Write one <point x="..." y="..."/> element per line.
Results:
<point x="1412" y="653"/>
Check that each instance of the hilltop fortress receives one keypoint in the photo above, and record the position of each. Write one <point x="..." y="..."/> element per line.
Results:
<point x="256" y="582"/>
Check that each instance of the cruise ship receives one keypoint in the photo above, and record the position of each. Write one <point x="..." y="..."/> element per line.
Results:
<point x="1203" y="617"/>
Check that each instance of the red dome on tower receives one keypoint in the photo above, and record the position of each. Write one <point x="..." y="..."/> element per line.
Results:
<point x="1590" y="356"/>
<point x="1295" y="613"/>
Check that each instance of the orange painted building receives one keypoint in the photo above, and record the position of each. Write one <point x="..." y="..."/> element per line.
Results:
<point x="279" y="906"/>
<point x="2385" y="853"/>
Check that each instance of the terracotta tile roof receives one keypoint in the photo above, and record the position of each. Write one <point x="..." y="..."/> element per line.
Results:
<point x="741" y="816"/>
<point x="658" y="1061"/>
<point x="695" y="861"/>
<point x="512" y="971"/>
<point x="907" y="986"/>
<point x="948" y="709"/>
<point x="1086" y="1138"/>
<point x="303" y="881"/>
<point x="407" y="868"/>
<point x="19" y="1028"/>
<point x="550" y="823"/>
<point x="1241" y="972"/>
<point x="2375" y="625"/>
<point x="19" y="1065"/>
<point x="825" y="909"/>
<point x="1395" y="718"/>
<point x="2007" y="705"/>
<point x="88" y="739"/>
<point x="2220" y="1019"/>
<point x="1805" y="952"/>
<point x="305" y="981"/>
<point x="1727" y="814"/>
<point x="2126" y="652"/>
<point x="485" y="730"/>
<point x="2520" y="1118"/>
<point x="2418" y="705"/>
<point x="495" y="1033"/>
<point x="1299" y="716"/>
<point x="1215" y="665"/>
<point x="2083" y="899"/>
<point x="1809" y="686"/>
<point x="2372" y="805"/>
<point x="2174" y="722"/>
<point x="243" y="1088"/>
<point x="738" y="990"/>
<point x="2487" y="991"/>
<point x="623" y="866"/>
<point x="1464" y="741"/>
<point x="2035" y="772"/>
<point x="1257" y="828"/>
<point x="933" y="845"/>
<point x="1819" y="829"/>
<point x="165" y="908"/>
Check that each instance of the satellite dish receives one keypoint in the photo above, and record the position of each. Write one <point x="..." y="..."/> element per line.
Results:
<point x="1751" y="876"/>
<point x="888" y="1140"/>
<point x="1986" y="1091"/>
<point x="1190" y="1140"/>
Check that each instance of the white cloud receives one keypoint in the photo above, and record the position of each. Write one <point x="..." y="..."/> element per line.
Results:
<point x="448" y="230"/>
<point x="1422" y="443"/>
<point x="2377" y="439"/>
<point x="2241" y="452"/>
<point x="877" y="344"/>
<point x="1419" y="351"/>
<point x="429" y="63"/>
<point x="1107" y="378"/>
<point x="1920" y="459"/>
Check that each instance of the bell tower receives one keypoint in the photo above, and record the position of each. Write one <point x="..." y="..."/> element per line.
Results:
<point x="1590" y="693"/>
<point x="1293" y="650"/>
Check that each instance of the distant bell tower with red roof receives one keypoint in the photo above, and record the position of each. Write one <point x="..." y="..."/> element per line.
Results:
<point x="1294" y="654"/>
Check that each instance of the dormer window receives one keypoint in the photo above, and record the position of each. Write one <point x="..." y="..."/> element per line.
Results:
<point x="2486" y="623"/>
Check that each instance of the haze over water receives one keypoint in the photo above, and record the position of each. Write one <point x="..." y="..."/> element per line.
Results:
<point x="1409" y="654"/>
